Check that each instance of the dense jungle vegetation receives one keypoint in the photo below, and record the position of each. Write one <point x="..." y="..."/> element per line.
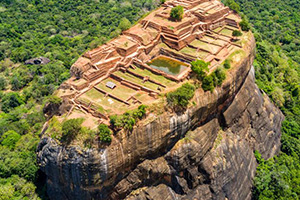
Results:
<point x="277" y="67"/>
<point x="61" y="31"/>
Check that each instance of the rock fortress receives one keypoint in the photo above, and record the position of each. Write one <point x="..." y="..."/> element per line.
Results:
<point x="150" y="59"/>
<point x="204" y="152"/>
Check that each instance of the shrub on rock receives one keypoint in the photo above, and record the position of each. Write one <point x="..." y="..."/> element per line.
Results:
<point x="104" y="133"/>
<point x="200" y="67"/>
<point x="179" y="99"/>
<point x="71" y="128"/>
<point x="208" y="83"/>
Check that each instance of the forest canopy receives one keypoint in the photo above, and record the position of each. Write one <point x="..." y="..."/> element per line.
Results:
<point x="277" y="69"/>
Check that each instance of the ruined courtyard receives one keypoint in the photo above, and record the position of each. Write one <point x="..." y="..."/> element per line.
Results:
<point x="150" y="59"/>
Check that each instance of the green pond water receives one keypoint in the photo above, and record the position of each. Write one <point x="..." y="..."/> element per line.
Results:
<point x="167" y="65"/>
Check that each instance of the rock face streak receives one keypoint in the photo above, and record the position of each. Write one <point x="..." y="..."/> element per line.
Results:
<point x="205" y="153"/>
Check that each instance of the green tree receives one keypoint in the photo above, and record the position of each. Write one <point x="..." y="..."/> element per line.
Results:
<point x="176" y="13"/>
<point x="244" y="24"/>
<point x="104" y="133"/>
<point x="10" y="101"/>
<point x="227" y="64"/>
<point x="55" y="100"/>
<point x="200" y="67"/>
<point x="71" y="128"/>
<point x="220" y="75"/>
<point x="232" y="5"/>
<point x="208" y="83"/>
<point x="16" y="83"/>
<point x="124" y="24"/>
<point x="10" y="138"/>
<point x="128" y="119"/>
<point x="236" y="33"/>
<point x="3" y="83"/>
<point x="140" y="112"/>
<point x="17" y="188"/>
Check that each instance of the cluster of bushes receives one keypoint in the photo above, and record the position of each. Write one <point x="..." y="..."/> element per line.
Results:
<point x="104" y="133"/>
<point x="179" y="99"/>
<point x="71" y="128"/>
<point x="200" y="67"/>
<point x="213" y="80"/>
<point x="128" y="119"/>
<point x="209" y="82"/>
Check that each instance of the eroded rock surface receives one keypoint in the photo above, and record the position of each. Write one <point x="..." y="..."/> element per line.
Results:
<point x="204" y="153"/>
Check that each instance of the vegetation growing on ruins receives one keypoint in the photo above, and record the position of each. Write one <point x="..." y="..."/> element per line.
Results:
<point x="227" y="64"/>
<point x="213" y="80"/>
<point x="179" y="99"/>
<point x="176" y="13"/>
<point x="236" y="33"/>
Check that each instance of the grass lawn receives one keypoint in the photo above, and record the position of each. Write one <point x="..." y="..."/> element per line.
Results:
<point x="142" y="97"/>
<point x="94" y="94"/>
<point x="226" y="32"/>
<point x="119" y="91"/>
<point x="209" y="47"/>
<point x="190" y="51"/>
<point x="199" y="44"/>
<point x="208" y="39"/>
<point x="217" y="29"/>
<point x="159" y="78"/>
<point x="95" y="97"/>
<point x="219" y="42"/>
<point x="136" y="80"/>
<point x="103" y="104"/>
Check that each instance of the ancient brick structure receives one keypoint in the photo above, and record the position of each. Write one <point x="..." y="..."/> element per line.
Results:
<point x="153" y="36"/>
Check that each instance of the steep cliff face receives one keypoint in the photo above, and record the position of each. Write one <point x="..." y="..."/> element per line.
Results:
<point x="204" y="153"/>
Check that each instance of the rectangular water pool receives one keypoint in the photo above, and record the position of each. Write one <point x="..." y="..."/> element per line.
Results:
<point x="168" y="65"/>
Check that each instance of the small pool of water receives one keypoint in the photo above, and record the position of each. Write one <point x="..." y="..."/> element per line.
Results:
<point x="168" y="65"/>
